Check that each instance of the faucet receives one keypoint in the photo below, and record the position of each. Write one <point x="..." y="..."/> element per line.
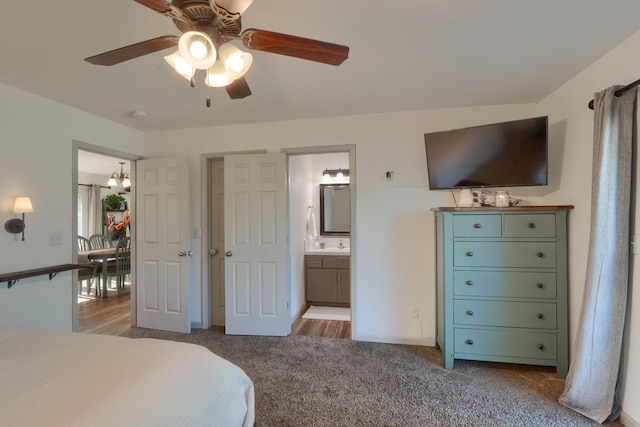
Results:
<point x="341" y="245"/>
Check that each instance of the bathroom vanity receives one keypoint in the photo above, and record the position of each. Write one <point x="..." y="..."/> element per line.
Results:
<point x="327" y="278"/>
<point x="501" y="285"/>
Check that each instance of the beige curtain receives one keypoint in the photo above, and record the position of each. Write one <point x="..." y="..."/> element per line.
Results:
<point x="590" y="388"/>
<point x="95" y="210"/>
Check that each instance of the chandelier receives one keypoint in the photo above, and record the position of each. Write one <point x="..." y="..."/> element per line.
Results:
<point x="223" y="63"/>
<point x="121" y="180"/>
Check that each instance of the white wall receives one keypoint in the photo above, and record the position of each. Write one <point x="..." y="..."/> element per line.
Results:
<point x="394" y="245"/>
<point x="36" y="137"/>
<point x="568" y="110"/>
<point x="300" y="196"/>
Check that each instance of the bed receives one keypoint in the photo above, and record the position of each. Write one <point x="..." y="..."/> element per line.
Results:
<point x="70" y="379"/>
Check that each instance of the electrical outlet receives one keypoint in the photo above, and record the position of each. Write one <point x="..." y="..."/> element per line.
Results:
<point x="55" y="238"/>
<point x="415" y="313"/>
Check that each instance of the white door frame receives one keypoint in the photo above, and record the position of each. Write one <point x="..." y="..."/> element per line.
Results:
<point x="98" y="149"/>
<point x="205" y="297"/>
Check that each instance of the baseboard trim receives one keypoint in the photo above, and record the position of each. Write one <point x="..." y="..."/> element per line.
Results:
<point x="628" y="421"/>
<point x="426" y="342"/>
<point x="196" y="325"/>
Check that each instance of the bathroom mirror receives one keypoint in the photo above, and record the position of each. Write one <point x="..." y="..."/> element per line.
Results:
<point x="335" y="210"/>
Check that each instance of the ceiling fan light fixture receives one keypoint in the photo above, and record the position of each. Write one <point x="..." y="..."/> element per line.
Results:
<point x="197" y="49"/>
<point x="181" y="66"/>
<point x="217" y="76"/>
<point x="236" y="61"/>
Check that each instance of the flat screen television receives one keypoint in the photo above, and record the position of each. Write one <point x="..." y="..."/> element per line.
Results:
<point x="508" y="154"/>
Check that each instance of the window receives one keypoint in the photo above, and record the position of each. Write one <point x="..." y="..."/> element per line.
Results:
<point x="80" y="216"/>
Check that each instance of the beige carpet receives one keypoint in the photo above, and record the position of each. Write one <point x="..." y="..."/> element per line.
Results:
<point x="328" y="313"/>
<point x="316" y="382"/>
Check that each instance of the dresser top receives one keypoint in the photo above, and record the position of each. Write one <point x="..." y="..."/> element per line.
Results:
<point x="510" y="208"/>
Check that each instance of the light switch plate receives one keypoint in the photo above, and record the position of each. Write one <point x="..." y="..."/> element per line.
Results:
<point x="55" y="238"/>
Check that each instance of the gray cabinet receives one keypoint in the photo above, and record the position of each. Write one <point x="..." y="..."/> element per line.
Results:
<point x="501" y="285"/>
<point x="327" y="280"/>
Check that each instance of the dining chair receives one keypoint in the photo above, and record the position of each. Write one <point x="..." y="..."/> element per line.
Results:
<point x="83" y="244"/>
<point x="121" y="266"/>
<point x="87" y="273"/>
<point x="99" y="241"/>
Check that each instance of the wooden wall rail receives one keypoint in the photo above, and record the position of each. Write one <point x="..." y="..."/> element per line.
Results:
<point x="12" y="278"/>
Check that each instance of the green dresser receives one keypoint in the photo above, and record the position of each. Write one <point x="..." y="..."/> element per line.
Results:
<point x="501" y="285"/>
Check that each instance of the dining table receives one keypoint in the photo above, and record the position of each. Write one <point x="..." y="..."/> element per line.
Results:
<point x="102" y="256"/>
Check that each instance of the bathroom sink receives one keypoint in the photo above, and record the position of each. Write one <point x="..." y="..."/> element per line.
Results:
<point x="329" y="251"/>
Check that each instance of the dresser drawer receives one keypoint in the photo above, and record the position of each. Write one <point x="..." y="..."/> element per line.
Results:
<point x="504" y="254"/>
<point x="477" y="226"/>
<point x="505" y="343"/>
<point x="504" y="284"/>
<point x="505" y="313"/>
<point x="529" y="225"/>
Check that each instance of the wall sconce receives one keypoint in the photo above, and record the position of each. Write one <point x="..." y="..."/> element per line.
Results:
<point x="16" y="225"/>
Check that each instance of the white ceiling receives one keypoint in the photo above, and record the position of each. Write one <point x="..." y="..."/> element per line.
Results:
<point x="405" y="55"/>
<point x="98" y="164"/>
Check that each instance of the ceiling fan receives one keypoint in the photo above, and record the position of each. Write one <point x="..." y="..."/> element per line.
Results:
<point x="208" y="27"/>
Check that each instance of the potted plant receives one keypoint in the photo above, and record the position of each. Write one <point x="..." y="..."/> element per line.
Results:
<point x="114" y="201"/>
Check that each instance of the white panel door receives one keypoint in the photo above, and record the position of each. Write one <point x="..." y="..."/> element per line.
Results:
<point x="256" y="286"/>
<point x="163" y="241"/>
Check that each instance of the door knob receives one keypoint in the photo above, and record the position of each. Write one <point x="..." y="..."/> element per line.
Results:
<point x="213" y="251"/>
<point x="228" y="253"/>
<point x="182" y="253"/>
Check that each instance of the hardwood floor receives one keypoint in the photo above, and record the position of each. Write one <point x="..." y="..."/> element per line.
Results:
<point x="321" y="328"/>
<point x="112" y="316"/>
<point x="106" y="316"/>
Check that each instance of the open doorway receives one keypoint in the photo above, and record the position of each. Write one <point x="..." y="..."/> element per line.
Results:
<point x="303" y="190"/>
<point x="103" y="301"/>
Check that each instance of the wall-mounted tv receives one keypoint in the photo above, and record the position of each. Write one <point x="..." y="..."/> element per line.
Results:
<point x="507" y="154"/>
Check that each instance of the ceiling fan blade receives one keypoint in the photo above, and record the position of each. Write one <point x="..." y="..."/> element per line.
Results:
<point x="159" y="6"/>
<point x="233" y="6"/>
<point x="238" y="89"/>
<point x="298" y="47"/>
<point x="126" y="53"/>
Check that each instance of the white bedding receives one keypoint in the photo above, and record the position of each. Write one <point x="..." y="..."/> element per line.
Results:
<point x="69" y="379"/>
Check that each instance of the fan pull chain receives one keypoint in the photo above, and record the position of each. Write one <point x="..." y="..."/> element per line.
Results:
<point x="208" y="102"/>
<point x="192" y="82"/>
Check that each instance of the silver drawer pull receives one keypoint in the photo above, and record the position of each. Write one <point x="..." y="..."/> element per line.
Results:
<point x="540" y="255"/>
<point x="469" y="313"/>
<point x="540" y="347"/>
<point x="540" y="316"/>
<point x="469" y="253"/>
<point x="540" y="285"/>
<point x="469" y="282"/>
<point x="531" y="225"/>
<point x="469" y="342"/>
<point x="476" y="225"/>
